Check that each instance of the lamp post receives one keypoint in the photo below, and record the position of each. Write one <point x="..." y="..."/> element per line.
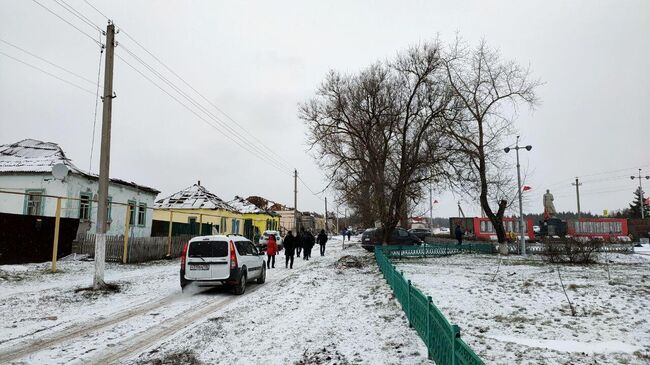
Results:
<point x="521" y="209"/>
<point x="641" y="192"/>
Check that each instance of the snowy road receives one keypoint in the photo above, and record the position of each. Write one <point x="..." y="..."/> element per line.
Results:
<point x="318" y="312"/>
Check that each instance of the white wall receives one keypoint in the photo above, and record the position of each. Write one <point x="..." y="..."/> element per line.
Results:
<point x="72" y="187"/>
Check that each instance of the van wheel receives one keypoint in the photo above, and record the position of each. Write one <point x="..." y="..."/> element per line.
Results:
<point x="262" y="277"/>
<point x="240" y="287"/>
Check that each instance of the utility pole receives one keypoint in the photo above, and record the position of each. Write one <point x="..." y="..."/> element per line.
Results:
<point x="430" y="208"/>
<point x="326" y="228"/>
<point x="295" y="200"/>
<point x="641" y="192"/>
<point x="521" y="208"/>
<point x="104" y="161"/>
<point x="577" y="185"/>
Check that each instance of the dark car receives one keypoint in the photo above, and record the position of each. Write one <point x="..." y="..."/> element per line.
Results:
<point x="420" y="233"/>
<point x="372" y="237"/>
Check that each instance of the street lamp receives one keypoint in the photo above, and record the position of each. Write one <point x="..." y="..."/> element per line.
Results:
<point x="521" y="209"/>
<point x="641" y="192"/>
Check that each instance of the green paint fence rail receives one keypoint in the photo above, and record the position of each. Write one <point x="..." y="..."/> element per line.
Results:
<point x="442" y="339"/>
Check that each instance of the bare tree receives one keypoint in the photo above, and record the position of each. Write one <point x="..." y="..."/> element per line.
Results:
<point x="376" y="135"/>
<point x="487" y="91"/>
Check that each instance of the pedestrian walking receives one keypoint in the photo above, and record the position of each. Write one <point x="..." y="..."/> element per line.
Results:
<point x="308" y="242"/>
<point x="322" y="240"/>
<point x="289" y="250"/>
<point x="349" y="234"/>
<point x="459" y="234"/>
<point x="298" y="243"/>
<point x="271" y="251"/>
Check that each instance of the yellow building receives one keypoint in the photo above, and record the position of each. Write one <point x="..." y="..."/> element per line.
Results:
<point x="255" y="219"/>
<point x="195" y="210"/>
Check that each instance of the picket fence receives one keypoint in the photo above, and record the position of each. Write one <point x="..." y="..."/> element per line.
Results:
<point x="140" y="249"/>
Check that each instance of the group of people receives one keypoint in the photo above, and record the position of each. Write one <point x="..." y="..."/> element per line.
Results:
<point x="295" y="246"/>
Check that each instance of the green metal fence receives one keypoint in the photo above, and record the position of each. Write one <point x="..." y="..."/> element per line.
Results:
<point x="442" y="339"/>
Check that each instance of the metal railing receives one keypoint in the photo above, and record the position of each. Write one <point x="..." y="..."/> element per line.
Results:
<point x="442" y="338"/>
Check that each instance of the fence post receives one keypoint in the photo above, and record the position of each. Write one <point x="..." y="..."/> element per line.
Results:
<point x="428" y="340"/>
<point x="55" y="243"/>
<point x="200" y="224"/>
<point x="455" y="333"/>
<point x="126" y="234"/>
<point x="169" y="234"/>
<point x="408" y="304"/>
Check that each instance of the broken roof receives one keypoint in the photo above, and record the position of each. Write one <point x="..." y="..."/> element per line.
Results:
<point x="33" y="156"/>
<point x="193" y="197"/>
<point x="244" y="206"/>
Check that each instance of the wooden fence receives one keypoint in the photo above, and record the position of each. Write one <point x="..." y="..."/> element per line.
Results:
<point x="140" y="249"/>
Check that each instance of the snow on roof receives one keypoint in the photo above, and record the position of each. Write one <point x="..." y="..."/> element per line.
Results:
<point x="193" y="197"/>
<point x="244" y="206"/>
<point x="30" y="155"/>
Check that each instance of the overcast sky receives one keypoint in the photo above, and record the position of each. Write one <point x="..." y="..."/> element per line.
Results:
<point x="256" y="60"/>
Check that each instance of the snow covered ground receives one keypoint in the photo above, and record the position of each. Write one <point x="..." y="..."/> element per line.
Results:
<point x="520" y="315"/>
<point x="321" y="312"/>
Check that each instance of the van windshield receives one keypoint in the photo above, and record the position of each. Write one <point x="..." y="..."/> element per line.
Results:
<point x="208" y="249"/>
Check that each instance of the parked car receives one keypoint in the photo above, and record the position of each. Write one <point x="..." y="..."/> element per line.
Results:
<point x="264" y="240"/>
<point x="372" y="237"/>
<point x="420" y="233"/>
<point x="222" y="260"/>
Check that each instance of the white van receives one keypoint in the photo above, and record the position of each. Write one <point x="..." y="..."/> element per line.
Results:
<point x="222" y="260"/>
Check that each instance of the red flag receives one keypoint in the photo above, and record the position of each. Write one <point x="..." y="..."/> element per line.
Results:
<point x="647" y="201"/>
<point x="526" y="188"/>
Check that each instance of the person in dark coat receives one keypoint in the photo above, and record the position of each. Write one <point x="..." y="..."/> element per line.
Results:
<point x="322" y="240"/>
<point x="271" y="251"/>
<point x="308" y="242"/>
<point x="298" y="242"/>
<point x="349" y="234"/>
<point x="289" y="249"/>
<point x="459" y="234"/>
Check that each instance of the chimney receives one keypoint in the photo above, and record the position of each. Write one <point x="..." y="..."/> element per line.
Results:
<point x="198" y="183"/>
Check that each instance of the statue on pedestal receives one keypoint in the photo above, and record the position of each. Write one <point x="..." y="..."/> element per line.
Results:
<point x="549" y="207"/>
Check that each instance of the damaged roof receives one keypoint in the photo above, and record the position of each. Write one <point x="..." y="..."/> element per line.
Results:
<point x="193" y="197"/>
<point x="34" y="156"/>
<point x="244" y="206"/>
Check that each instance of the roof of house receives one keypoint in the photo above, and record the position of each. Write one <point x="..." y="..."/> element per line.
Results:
<point x="193" y="197"/>
<point x="33" y="156"/>
<point x="244" y="206"/>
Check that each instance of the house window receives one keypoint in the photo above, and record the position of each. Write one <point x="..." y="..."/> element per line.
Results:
<point x="235" y="226"/>
<point x="142" y="214"/>
<point x="222" y="226"/>
<point x="34" y="202"/>
<point x="109" y="208"/>
<point x="132" y="212"/>
<point x="85" y="201"/>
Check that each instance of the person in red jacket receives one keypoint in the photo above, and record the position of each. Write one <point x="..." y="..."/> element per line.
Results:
<point x="271" y="250"/>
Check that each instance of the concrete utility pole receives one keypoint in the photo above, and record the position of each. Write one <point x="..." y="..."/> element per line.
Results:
<point x="104" y="161"/>
<point x="577" y="185"/>
<point x="641" y="192"/>
<point x="295" y="199"/>
<point x="430" y="207"/>
<point x="326" y="228"/>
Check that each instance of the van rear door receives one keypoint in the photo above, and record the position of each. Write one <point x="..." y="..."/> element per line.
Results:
<point x="206" y="260"/>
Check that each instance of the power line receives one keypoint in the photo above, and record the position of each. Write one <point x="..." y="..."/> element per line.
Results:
<point x="70" y="24"/>
<point x="48" y="73"/>
<point x="49" y="62"/>
<point x="187" y="97"/>
<point x="92" y="144"/>
<point x="191" y="110"/>
<point x="97" y="10"/>
<point x="308" y="188"/>
<point x="77" y="14"/>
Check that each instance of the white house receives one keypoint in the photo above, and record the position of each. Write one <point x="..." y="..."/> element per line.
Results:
<point x="41" y="169"/>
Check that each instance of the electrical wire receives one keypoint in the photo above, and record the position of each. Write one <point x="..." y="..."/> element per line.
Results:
<point x="92" y="144"/>
<point x="48" y="62"/>
<point x="67" y="22"/>
<point x="187" y="97"/>
<point x="77" y="14"/>
<point x="48" y="73"/>
<point x="191" y="110"/>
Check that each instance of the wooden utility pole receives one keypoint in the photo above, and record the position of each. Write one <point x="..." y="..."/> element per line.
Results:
<point x="104" y="161"/>
<point x="326" y="227"/>
<point x="295" y="199"/>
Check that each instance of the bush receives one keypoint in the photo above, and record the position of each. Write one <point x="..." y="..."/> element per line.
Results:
<point x="571" y="250"/>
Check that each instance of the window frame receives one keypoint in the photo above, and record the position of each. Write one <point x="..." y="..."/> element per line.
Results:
<point x="132" y="217"/>
<point x="87" y="196"/>
<point x="29" y="193"/>
<point x="142" y="208"/>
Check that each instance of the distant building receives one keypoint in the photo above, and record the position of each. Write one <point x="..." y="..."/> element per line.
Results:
<point x="27" y="167"/>
<point x="255" y="219"/>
